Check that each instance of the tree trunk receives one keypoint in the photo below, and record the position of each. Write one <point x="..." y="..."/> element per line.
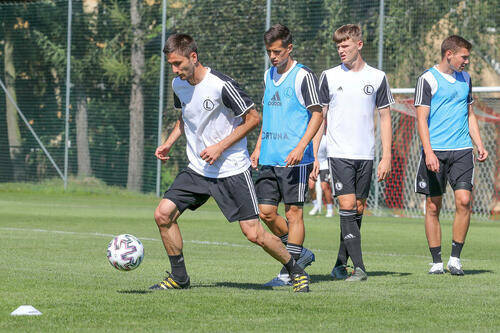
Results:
<point x="136" y="107"/>
<point x="14" y="134"/>
<point x="82" y="137"/>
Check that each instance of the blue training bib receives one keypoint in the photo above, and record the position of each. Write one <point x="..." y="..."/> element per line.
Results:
<point x="284" y="121"/>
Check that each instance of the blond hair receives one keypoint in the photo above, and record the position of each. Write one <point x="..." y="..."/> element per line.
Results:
<point x="347" y="31"/>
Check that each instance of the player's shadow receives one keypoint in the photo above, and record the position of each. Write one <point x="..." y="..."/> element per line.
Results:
<point x="240" y="285"/>
<point x="316" y="278"/>
<point x="476" y="271"/>
<point x="134" y="291"/>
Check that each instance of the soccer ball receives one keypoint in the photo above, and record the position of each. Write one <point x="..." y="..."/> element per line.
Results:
<point x="125" y="252"/>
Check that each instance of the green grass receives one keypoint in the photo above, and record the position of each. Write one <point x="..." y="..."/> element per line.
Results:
<point x="54" y="258"/>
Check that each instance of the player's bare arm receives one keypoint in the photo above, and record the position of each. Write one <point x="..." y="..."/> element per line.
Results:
<point x="482" y="153"/>
<point x="254" y="158"/>
<point x="384" y="167"/>
<point x="162" y="151"/>
<point x="316" y="142"/>
<point x="297" y="153"/>
<point x="431" y="161"/>
<point x="251" y="120"/>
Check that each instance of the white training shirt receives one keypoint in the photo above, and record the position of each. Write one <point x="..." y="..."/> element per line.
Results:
<point x="322" y="154"/>
<point x="211" y="110"/>
<point x="352" y="98"/>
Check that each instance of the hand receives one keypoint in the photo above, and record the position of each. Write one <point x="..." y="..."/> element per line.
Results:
<point x="482" y="154"/>
<point x="162" y="151"/>
<point x="211" y="153"/>
<point x="432" y="162"/>
<point x="384" y="169"/>
<point x="315" y="171"/>
<point x="254" y="158"/>
<point x="294" y="157"/>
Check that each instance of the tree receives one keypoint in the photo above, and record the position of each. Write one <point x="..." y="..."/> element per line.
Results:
<point x="136" y="148"/>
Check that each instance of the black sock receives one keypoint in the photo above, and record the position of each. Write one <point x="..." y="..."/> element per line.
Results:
<point x="456" y="249"/>
<point x="294" y="250"/>
<point x="292" y="267"/>
<point x="343" y="255"/>
<point x="178" y="268"/>
<point x="359" y="218"/>
<point x="284" y="238"/>
<point x="351" y="236"/>
<point x="436" y="254"/>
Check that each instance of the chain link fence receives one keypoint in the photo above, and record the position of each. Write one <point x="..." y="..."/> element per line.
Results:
<point x="109" y="45"/>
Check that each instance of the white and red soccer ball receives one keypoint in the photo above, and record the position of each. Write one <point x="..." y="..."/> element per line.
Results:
<point x="125" y="252"/>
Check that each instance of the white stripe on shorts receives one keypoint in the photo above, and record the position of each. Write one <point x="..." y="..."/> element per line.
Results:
<point x="251" y="188"/>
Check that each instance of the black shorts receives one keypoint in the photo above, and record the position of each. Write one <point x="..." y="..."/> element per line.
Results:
<point x="324" y="176"/>
<point x="350" y="176"/>
<point x="235" y="195"/>
<point x="283" y="183"/>
<point x="455" y="166"/>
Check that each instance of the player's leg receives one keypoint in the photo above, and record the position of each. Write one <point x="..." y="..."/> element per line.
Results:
<point x="187" y="191"/>
<point x="433" y="185"/>
<point x="255" y="233"/>
<point x="461" y="174"/>
<point x="312" y="194"/>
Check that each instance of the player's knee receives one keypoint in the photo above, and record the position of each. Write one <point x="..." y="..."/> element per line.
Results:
<point x="267" y="217"/>
<point x="294" y="214"/>
<point x="162" y="217"/>
<point x="433" y="208"/>
<point x="253" y="234"/>
<point x="463" y="203"/>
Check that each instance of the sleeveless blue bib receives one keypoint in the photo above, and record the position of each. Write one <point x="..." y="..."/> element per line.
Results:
<point x="284" y="121"/>
<point x="449" y="114"/>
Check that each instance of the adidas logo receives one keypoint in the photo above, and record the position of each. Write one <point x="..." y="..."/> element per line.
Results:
<point x="275" y="100"/>
<point x="339" y="89"/>
<point x="349" y="236"/>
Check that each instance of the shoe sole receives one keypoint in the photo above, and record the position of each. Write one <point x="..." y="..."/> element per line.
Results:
<point x="457" y="272"/>
<point x="436" y="273"/>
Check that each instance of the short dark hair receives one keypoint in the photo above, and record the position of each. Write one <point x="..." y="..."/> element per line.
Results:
<point x="453" y="43"/>
<point x="347" y="31"/>
<point x="180" y="43"/>
<point x="278" y="32"/>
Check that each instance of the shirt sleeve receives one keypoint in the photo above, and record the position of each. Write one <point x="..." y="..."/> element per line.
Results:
<point x="309" y="90"/>
<point x="177" y="102"/>
<point x="423" y="93"/>
<point x="384" y="96"/>
<point x="235" y="98"/>
<point x="324" y="90"/>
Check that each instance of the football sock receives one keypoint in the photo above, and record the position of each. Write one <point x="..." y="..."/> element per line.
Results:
<point x="294" y="250"/>
<point x="351" y="236"/>
<point x="436" y="254"/>
<point x="315" y="203"/>
<point x="456" y="249"/>
<point x="284" y="239"/>
<point x="359" y="218"/>
<point x="292" y="267"/>
<point x="178" y="268"/>
<point x="343" y="255"/>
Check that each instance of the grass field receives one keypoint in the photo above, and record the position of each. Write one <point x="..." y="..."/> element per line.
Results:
<point x="54" y="247"/>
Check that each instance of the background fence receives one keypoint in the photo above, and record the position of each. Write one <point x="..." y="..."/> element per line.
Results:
<point x="112" y="105"/>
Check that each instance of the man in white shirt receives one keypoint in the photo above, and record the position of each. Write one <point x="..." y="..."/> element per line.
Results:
<point x="349" y="94"/>
<point x="216" y="116"/>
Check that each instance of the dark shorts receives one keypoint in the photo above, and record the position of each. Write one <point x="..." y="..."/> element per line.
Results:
<point x="283" y="183"/>
<point x="235" y="195"/>
<point x="455" y="166"/>
<point x="324" y="175"/>
<point x="350" y="176"/>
